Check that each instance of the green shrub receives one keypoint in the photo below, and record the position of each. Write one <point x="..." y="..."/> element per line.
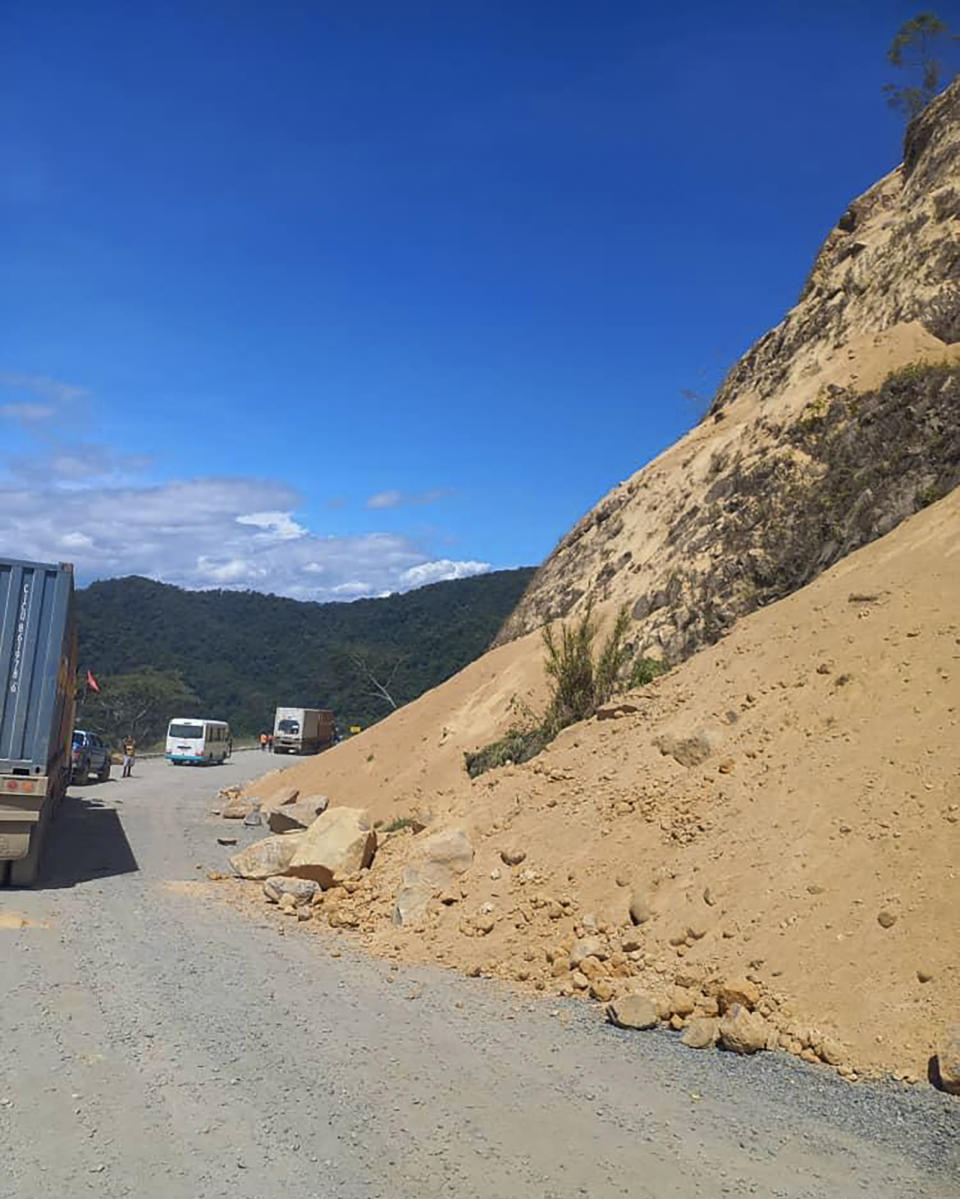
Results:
<point x="581" y="679"/>
<point x="645" y="670"/>
<point x="401" y="822"/>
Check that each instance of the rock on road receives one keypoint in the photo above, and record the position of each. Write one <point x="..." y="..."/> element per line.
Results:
<point x="166" y="1047"/>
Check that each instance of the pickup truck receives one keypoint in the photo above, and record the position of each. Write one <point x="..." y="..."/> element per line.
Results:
<point x="89" y="756"/>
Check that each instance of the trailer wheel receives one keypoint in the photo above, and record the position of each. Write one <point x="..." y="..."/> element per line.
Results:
<point x="23" y="872"/>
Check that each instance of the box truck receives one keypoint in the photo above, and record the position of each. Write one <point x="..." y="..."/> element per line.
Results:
<point x="38" y="666"/>
<point x="302" y="730"/>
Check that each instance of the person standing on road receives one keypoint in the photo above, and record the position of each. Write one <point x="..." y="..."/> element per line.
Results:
<point x="263" y="742"/>
<point x="129" y="755"/>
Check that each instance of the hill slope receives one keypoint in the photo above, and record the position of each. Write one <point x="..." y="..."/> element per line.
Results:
<point x="833" y="427"/>
<point x="244" y="653"/>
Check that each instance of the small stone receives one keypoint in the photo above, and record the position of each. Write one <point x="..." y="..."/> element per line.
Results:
<point x="738" y="991"/>
<point x="924" y="975"/>
<point x="632" y="1011"/>
<point x="700" y="1033"/>
<point x="303" y="890"/>
<point x="513" y="856"/>
<point x="640" y="910"/>
<point x="226" y="840"/>
<point x="886" y="918"/>
<point x="588" y="947"/>
<point x="676" y="1023"/>
<point x="602" y="989"/>
<point x="485" y="925"/>
<point x="831" y="1051"/>
<point x="743" y="1031"/>
<point x="727" y="766"/>
<point x="948" y="1060"/>
<point x="708" y="898"/>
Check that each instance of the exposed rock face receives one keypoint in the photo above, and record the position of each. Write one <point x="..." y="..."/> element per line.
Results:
<point x="338" y="843"/>
<point x="813" y="446"/>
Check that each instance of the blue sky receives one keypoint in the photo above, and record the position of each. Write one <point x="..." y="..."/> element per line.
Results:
<point x="333" y="299"/>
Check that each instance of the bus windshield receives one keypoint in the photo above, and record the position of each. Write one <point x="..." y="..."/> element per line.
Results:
<point x="187" y="732"/>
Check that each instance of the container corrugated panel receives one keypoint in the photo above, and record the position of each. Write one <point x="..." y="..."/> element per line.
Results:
<point x="37" y="664"/>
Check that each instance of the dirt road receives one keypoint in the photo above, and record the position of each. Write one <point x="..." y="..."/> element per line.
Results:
<point x="161" y="1046"/>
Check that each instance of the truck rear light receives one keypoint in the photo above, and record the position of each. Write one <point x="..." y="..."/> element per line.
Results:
<point x="22" y="786"/>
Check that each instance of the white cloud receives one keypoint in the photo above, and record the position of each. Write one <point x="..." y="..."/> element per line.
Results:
<point x="385" y="499"/>
<point x="279" y="526"/>
<point x="43" y="386"/>
<point x="207" y="532"/>
<point x="394" y="499"/>
<point x="440" y="570"/>
<point x="28" y="413"/>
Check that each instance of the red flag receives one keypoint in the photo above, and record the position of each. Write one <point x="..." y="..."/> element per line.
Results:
<point x="92" y="682"/>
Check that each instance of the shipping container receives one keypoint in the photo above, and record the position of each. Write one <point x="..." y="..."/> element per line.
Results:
<point x="38" y="666"/>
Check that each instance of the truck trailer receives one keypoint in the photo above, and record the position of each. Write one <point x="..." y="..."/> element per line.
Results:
<point x="38" y="666"/>
<point x="302" y="730"/>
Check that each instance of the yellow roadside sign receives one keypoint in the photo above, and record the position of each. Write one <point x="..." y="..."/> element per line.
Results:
<point x="356" y="728"/>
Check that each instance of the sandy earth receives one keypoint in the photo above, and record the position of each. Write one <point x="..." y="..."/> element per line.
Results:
<point x="161" y="1046"/>
<point x="830" y="796"/>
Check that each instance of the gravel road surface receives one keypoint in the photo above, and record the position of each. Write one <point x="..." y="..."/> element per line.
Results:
<point x="163" y="1046"/>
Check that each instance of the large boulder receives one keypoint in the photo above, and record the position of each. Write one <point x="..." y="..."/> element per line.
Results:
<point x="437" y="861"/>
<point x="339" y="842"/>
<point x="263" y="858"/>
<point x="298" y="815"/>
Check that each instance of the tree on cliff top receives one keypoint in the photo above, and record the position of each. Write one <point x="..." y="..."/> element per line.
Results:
<point x="918" y="49"/>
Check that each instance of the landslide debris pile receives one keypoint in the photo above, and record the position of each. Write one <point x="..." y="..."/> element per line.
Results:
<point x="779" y="814"/>
<point x="836" y="425"/>
<point x="760" y="848"/>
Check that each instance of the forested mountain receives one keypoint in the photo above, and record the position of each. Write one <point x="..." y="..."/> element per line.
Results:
<point x="238" y="655"/>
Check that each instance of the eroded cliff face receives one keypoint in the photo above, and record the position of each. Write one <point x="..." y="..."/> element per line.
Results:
<point x="836" y="425"/>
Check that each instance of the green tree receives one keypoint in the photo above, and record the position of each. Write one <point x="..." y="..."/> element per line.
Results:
<point x="918" y="49"/>
<point x="141" y="704"/>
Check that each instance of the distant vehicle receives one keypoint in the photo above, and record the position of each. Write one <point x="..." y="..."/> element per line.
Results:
<point x="198" y="741"/>
<point x="89" y="756"/>
<point x="302" y="730"/>
<point x="38" y="669"/>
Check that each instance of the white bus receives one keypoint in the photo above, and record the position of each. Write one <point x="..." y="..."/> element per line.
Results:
<point x="198" y="741"/>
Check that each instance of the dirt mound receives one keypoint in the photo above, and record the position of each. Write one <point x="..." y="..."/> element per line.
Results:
<point x="783" y="806"/>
